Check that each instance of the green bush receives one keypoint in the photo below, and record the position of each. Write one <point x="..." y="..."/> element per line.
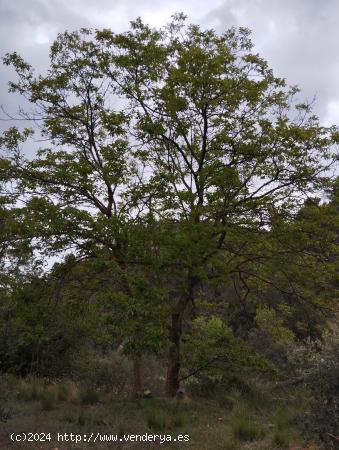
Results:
<point x="244" y="427"/>
<point x="157" y="420"/>
<point x="282" y="438"/>
<point x="216" y="356"/>
<point x="178" y="418"/>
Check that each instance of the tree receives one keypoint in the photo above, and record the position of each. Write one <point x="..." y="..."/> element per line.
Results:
<point x="77" y="192"/>
<point x="205" y="150"/>
<point x="47" y="320"/>
<point x="228" y="146"/>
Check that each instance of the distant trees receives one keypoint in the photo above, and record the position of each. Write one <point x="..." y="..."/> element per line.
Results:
<point x="177" y="159"/>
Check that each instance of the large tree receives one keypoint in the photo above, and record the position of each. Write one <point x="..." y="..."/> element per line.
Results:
<point x="229" y="147"/>
<point x="174" y="151"/>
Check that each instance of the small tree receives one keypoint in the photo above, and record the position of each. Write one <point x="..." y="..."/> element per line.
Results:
<point x="77" y="193"/>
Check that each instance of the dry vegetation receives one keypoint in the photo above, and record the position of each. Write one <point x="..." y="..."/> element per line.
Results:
<point x="250" y="415"/>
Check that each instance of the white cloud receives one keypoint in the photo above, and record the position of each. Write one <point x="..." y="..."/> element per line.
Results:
<point x="299" y="38"/>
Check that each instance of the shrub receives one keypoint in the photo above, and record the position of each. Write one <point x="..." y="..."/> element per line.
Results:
<point x="178" y="418"/>
<point x="47" y="399"/>
<point x="88" y="395"/>
<point x="258" y="400"/>
<point x="82" y="419"/>
<point x="63" y="392"/>
<point x="282" y="438"/>
<point x="244" y="428"/>
<point x="157" y="420"/>
<point x="216" y="357"/>
<point x="232" y="444"/>
<point x="29" y="389"/>
<point x="110" y="372"/>
<point x="5" y="414"/>
<point x="318" y="363"/>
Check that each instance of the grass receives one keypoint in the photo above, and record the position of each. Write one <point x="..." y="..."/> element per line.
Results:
<point x="282" y="438"/>
<point x="245" y="428"/>
<point x="63" y="392"/>
<point x="29" y="389"/>
<point x="157" y="420"/>
<point x="88" y="395"/>
<point x="285" y="432"/>
<point x="161" y="416"/>
<point x="178" y="419"/>
<point x="257" y="400"/>
<point x="232" y="444"/>
<point x="47" y="399"/>
<point x="239" y="421"/>
<point x="82" y="419"/>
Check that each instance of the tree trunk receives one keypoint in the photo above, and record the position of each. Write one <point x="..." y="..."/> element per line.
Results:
<point x="173" y="368"/>
<point x="137" y="376"/>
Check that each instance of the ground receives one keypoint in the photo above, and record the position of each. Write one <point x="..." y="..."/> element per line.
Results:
<point x="253" y="419"/>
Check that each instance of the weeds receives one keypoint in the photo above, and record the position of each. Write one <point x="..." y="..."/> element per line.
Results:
<point x="282" y="438"/>
<point x="47" y="399"/>
<point x="81" y="419"/>
<point x="244" y="427"/>
<point x="63" y="392"/>
<point x="29" y="390"/>
<point x="164" y="417"/>
<point x="157" y="420"/>
<point x="88" y="396"/>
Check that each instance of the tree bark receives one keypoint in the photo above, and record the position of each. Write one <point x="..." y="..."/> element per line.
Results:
<point x="137" y="377"/>
<point x="173" y="368"/>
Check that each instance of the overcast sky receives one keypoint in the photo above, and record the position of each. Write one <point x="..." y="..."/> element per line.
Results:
<point x="299" y="38"/>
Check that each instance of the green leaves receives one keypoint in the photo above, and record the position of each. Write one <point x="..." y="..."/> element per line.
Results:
<point x="175" y="158"/>
<point x="211" y="349"/>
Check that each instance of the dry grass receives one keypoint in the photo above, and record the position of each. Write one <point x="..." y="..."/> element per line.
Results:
<point x="254" y="421"/>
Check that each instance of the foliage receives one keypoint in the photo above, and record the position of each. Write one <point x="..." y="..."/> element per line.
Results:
<point x="213" y="355"/>
<point x="244" y="428"/>
<point x="318" y="363"/>
<point x="174" y="163"/>
<point x="46" y="323"/>
<point x="268" y="321"/>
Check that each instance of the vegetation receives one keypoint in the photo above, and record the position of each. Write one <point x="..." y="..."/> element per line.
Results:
<point x="183" y="201"/>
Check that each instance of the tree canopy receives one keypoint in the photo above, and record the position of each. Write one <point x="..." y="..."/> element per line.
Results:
<point x="179" y="160"/>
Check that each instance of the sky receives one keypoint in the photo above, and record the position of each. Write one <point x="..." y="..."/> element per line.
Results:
<point x="299" y="38"/>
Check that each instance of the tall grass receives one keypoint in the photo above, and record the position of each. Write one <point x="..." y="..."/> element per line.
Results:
<point x="245" y="426"/>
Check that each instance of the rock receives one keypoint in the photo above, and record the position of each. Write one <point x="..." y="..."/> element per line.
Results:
<point x="181" y="393"/>
<point x="147" y="393"/>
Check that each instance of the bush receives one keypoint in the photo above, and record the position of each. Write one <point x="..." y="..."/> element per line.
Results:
<point x="258" y="400"/>
<point x="88" y="395"/>
<point x="111" y="372"/>
<point x="160" y="417"/>
<point x="82" y="419"/>
<point x="29" y="389"/>
<point x="178" y="418"/>
<point x="318" y="363"/>
<point x="47" y="399"/>
<point x="282" y="438"/>
<point x="41" y="336"/>
<point x="157" y="420"/>
<point x="63" y="392"/>
<point x="216" y="357"/>
<point x="244" y="428"/>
